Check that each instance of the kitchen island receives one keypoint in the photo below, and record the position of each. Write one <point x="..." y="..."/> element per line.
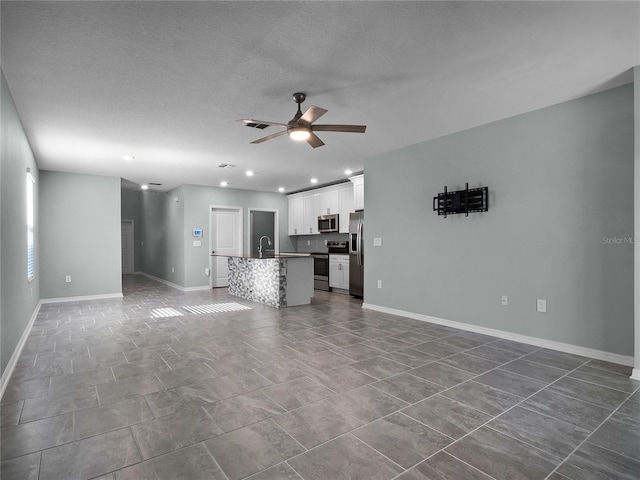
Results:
<point x="283" y="280"/>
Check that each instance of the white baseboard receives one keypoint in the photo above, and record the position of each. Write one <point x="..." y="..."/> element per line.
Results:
<point x="197" y="289"/>
<point x="636" y="374"/>
<point x="163" y="281"/>
<point x="516" y="337"/>
<point x="11" y="365"/>
<point x="81" y="298"/>
<point x="174" y="285"/>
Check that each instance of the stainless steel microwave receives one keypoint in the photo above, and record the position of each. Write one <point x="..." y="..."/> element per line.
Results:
<point x="328" y="223"/>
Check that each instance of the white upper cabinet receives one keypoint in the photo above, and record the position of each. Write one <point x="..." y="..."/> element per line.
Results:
<point x="311" y="207"/>
<point x="329" y="201"/>
<point x="358" y="192"/>
<point x="305" y="207"/>
<point x="346" y="205"/>
<point x="296" y="215"/>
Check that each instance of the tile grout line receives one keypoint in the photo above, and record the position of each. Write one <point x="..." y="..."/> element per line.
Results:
<point x="438" y="393"/>
<point x="294" y="470"/>
<point x="214" y="458"/>
<point x="591" y="434"/>
<point x="511" y="408"/>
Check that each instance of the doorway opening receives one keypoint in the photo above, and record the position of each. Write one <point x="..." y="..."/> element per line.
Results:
<point x="225" y="225"/>
<point x="263" y="222"/>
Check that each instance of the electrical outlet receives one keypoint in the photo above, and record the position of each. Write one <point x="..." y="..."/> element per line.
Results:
<point x="67" y="279"/>
<point x="308" y="243"/>
<point x="504" y="300"/>
<point x="377" y="241"/>
<point x="379" y="283"/>
<point x="541" y="305"/>
<point x="173" y="270"/>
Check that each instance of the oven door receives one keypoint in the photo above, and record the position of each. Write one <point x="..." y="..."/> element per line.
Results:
<point x="320" y="266"/>
<point x="321" y="272"/>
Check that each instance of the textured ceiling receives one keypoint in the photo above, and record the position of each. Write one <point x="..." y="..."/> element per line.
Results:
<point x="167" y="81"/>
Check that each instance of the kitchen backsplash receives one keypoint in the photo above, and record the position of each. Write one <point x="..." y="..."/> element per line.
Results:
<point x="316" y="243"/>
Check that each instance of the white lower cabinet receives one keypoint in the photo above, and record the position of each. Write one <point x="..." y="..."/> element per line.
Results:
<point x="339" y="271"/>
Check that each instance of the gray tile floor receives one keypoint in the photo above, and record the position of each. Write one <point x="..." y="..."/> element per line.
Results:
<point x="110" y="389"/>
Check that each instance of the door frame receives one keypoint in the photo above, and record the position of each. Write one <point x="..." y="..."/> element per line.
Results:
<point x="131" y="245"/>
<point x="276" y="229"/>
<point x="239" y="232"/>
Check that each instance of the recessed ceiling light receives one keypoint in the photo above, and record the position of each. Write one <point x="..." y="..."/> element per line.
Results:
<point x="223" y="183"/>
<point x="144" y="187"/>
<point x="314" y="180"/>
<point x="249" y="173"/>
<point x="348" y="172"/>
<point x="128" y="158"/>
<point x="281" y="189"/>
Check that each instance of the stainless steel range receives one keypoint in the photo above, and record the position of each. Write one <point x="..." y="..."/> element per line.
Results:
<point x="321" y="264"/>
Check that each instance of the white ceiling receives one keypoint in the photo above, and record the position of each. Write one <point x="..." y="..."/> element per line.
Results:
<point x="167" y="81"/>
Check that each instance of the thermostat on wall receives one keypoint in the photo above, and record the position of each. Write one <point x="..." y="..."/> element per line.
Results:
<point x="197" y="232"/>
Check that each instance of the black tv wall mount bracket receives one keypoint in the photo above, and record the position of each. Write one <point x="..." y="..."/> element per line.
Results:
<point x="469" y="200"/>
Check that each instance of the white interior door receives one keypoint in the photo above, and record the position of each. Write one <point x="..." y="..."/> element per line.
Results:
<point x="226" y="239"/>
<point x="127" y="246"/>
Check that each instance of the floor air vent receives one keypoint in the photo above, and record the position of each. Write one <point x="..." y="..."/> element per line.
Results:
<point x="216" y="308"/>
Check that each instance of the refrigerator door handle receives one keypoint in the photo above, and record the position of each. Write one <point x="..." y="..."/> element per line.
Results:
<point x="359" y="251"/>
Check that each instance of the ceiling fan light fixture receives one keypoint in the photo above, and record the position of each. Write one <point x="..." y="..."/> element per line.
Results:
<point x="299" y="133"/>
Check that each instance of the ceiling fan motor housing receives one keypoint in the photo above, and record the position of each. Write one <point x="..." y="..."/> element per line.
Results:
<point x="299" y="97"/>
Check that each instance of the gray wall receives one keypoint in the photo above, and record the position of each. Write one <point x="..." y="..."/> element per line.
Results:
<point x="162" y="226"/>
<point x="561" y="195"/>
<point x="197" y="200"/>
<point x="80" y="235"/>
<point x="130" y="210"/>
<point x="19" y="297"/>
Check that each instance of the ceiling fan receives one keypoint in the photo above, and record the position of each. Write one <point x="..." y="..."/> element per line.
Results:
<point x="301" y="126"/>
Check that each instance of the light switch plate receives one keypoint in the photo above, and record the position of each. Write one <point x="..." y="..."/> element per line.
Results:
<point x="377" y="241"/>
<point x="197" y="243"/>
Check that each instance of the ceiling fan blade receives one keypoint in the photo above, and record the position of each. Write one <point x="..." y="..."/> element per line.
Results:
<point x="259" y="122"/>
<point x="339" y="128"/>
<point x="314" y="141"/>
<point x="269" y="137"/>
<point x="311" y="115"/>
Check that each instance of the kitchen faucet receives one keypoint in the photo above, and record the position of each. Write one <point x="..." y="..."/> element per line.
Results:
<point x="260" y="246"/>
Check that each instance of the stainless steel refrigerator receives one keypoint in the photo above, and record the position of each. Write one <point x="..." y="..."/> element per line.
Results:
<point x="356" y="254"/>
